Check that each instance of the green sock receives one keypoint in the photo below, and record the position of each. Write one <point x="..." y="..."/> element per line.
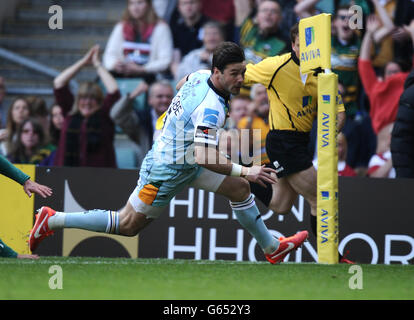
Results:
<point x="6" y="251"/>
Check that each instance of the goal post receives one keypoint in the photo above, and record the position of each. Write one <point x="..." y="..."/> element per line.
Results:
<point x="315" y="54"/>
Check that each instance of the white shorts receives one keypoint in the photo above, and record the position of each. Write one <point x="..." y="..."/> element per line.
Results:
<point x="151" y="199"/>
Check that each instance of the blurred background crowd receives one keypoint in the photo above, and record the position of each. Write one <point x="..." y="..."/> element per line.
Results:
<point x="104" y="100"/>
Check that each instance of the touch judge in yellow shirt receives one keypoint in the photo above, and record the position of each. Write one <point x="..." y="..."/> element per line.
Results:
<point x="293" y="101"/>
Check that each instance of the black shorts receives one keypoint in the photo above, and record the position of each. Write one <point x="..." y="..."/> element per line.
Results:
<point x="264" y="194"/>
<point x="288" y="151"/>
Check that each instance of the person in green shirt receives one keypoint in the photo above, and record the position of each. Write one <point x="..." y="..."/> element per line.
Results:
<point x="9" y="170"/>
<point x="261" y="36"/>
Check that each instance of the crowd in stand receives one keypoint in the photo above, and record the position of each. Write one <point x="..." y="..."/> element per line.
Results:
<point x="159" y="42"/>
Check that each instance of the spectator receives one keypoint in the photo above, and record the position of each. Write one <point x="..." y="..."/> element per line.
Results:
<point x="238" y="109"/>
<point x="403" y="16"/>
<point x="344" y="169"/>
<point x="360" y="138"/>
<point x="402" y="142"/>
<point x="261" y="36"/>
<point x="201" y="58"/>
<point x="3" y="110"/>
<point x="384" y="11"/>
<point x="140" y="45"/>
<point x="187" y="29"/>
<point x="40" y="112"/>
<point x="222" y="11"/>
<point x="289" y="16"/>
<point x="56" y="121"/>
<point x="164" y="8"/>
<point x="306" y="8"/>
<point x="140" y="126"/>
<point x="248" y="8"/>
<point x="31" y="146"/>
<point x="243" y="9"/>
<point x="346" y="43"/>
<point x="87" y="133"/>
<point x="17" y="113"/>
<point x="380" y="165"/>
<point x="392" y="39"/>
<point x="259" y="98"/>
<point x="383" y="94"/>
<point x="257" y="120"/>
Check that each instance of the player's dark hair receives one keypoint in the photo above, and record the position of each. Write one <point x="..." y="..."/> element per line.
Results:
<point x="294" y="31"/>
<point x="226" y="53"/>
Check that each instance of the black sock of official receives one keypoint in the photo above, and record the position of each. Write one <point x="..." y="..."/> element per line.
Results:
<point x="313" y="224"/>
<point x="264" y="194"/>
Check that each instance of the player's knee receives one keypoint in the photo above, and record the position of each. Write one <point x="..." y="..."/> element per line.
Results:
<point x="281" y="205"/>
<point x="240" y="191"/>
<point x="129" y="224"/>
<point x="129" y="229"/>
<point x="131" y="232"/>
<point x="312" y="202"/>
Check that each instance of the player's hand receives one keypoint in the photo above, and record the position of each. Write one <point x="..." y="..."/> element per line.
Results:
<point x="33" y="187"/>
<point x="261" y="175"/>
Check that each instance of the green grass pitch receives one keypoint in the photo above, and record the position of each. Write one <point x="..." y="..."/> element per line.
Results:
<point x="163" y="279"/>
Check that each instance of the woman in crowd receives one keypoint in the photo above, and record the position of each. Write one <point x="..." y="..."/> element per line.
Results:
<point x="31" y="146"/>
<point x="17" y="113"/>
<point x="87" y="134"/>
<point x="56" y="120"/>
<point x="140" y="45"/>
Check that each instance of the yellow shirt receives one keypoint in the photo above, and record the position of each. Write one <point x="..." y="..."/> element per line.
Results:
<point x="257" y="123"/>
<point x="293" y="97"/>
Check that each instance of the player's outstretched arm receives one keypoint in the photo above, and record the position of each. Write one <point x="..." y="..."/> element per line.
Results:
<point x="211" y="159"/>
<point x="12" y="172"/>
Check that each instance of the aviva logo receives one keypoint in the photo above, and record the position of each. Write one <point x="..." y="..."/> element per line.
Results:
<point x="306" y="100"/>
<point x="326" y="98"/>
<point x="309" y="35"/>
<point x="325" y="195"/>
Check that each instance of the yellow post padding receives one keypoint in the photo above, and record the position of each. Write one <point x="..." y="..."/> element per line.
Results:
<point x="327" y="190"/>
<point x="315" y="42"/>
<point x="16" y="216"/>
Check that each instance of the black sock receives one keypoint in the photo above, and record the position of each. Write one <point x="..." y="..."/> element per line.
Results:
<point x="313" y="224"/>
<point x="264" y="194"/>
